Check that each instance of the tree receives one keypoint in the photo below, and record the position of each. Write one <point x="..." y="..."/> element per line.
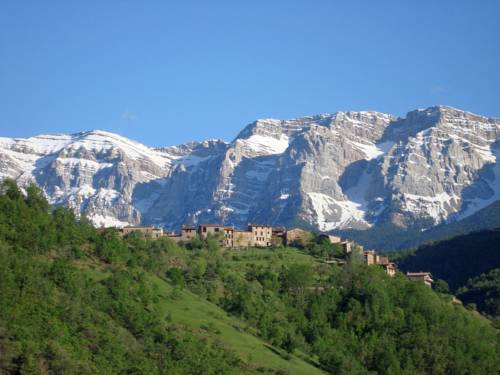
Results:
<point x="195" y="243"/>
<point x="214" y="241"/>
<point x="36" y="199"/>
<point x="176" y="276"/>
<point x="297" y="277"/>
<point x="276" y="241"/>
<point x="441" y="286"/>
<point x="10" y="189"/>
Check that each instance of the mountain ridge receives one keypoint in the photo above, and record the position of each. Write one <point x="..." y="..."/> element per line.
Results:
<point x="347" y="170"/>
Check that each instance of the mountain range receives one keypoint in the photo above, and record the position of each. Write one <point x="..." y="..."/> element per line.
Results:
<point x="341" y="171"/>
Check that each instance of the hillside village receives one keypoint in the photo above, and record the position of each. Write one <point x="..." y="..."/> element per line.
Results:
<point x="262" y="235"/>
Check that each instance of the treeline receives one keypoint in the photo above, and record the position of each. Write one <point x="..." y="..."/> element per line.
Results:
<point x="78" y="300"/>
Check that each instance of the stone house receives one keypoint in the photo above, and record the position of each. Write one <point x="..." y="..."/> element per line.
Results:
<point x="425" y="277"/>
<point x="390" y="269"/>
<point x="262" y="234"/>
<point x="334" y="239"/>
<point x="226" y="234"/>
<point x="382" y="260"/>
<point x="296" y="235"/>
<point x="188" y="232"/>
<point x="370" y="257"/>
<point x="228" y="237"/>
<point x="242" y="238"/>
<point x="205" y="230"/>
<point x="346" y="246"/>
<point x="279" y="232"/>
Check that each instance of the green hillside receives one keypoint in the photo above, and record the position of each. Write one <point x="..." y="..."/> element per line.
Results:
<point x="76" y="300"/>
<point x="456" y="260"/>
<point x="470" y="264"/>
<point x="483" y="293"/>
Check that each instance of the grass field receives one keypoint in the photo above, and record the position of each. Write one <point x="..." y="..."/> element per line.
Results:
<point x="262" y="256"/>
<point x="209" y="320"/>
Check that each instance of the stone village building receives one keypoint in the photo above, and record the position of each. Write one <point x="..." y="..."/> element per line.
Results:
<point x="425" y="277"/>
<point x="255" y="235"/>
<point x="372" y="258"/>
<point x="261" y="235"/>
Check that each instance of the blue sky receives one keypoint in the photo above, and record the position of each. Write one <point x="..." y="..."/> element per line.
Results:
<point x="165" y="72"/>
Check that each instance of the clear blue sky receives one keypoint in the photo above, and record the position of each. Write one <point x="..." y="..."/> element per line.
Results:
<point x="165" y="72"/>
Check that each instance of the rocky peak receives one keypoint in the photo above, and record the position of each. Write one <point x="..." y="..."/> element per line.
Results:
<point x="203" y="148"/>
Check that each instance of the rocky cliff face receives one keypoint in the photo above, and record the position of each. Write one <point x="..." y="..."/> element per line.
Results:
<point x="330" y="171"/>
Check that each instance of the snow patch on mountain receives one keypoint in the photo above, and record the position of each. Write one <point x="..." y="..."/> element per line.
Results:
<point x="332" y="213"/>
<point x="435" y="206"/>
<point x="373" y="150"/>
<point x="106" y="221"/>
<point x="39" y="145"/>
<point x="267" y="145"/>
<point x="83" y="163"/>
<point x="189" y="160"/>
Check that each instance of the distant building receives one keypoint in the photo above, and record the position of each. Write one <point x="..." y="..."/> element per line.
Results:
<point x="262" y="234"/>
<point x="390" y="269"/>
<point x="150" y="231"/>
<point x="425" y="277"/>
<point x="279" y="232"/>
<point x="334" y="239"/>
<point x="382" y="260"/>
<point x="255" y="235"/>
<point x="188" y="232"/>
<point x="296" y="235"/>
<point x="347" y="246"/>
<point x="370" y="257"/>
<point x="204" y="230"/>
<point x="242" y="238"/>
<point x="228" y="237"/>
<point x="330" y="238"/>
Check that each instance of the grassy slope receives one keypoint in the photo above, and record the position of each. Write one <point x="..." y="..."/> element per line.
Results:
<point x="260" y="256"/>
<point x="210" y="321"/>
<point x="207" y="318"/>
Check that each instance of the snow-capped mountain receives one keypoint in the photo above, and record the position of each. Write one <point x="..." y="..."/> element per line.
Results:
<point x="331" y="171"/>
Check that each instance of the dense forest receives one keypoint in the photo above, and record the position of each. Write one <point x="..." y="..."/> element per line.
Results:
<point x="79" y="300"/>
<point x="483" y="292"/>
<point x="469" y="264"/>
<point x="455" y="260"/>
